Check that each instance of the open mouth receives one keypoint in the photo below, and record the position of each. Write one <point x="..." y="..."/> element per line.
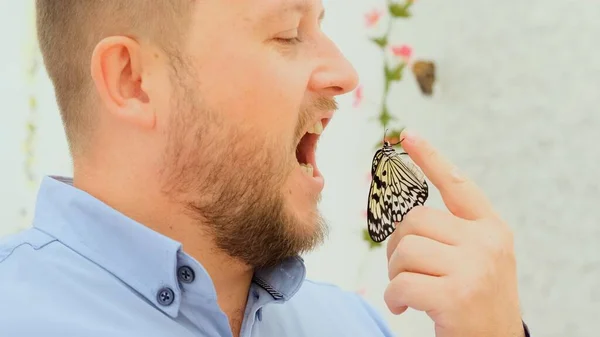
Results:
<point x="306" y="149"/>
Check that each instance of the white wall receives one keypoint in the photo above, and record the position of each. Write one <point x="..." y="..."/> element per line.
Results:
<point x="516" y="106"/>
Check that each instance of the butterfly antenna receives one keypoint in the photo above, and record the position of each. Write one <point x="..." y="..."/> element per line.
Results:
<point x="400" y="142"/>
<point x="384" y="133"/>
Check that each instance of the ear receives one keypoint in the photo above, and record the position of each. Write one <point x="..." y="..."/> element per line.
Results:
<point x="117" y="69"/>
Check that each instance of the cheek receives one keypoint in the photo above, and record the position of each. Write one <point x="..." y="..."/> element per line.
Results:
<point x="259" y="89"/>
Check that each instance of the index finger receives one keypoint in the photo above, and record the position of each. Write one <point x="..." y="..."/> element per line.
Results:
<point x="462" y="196"/>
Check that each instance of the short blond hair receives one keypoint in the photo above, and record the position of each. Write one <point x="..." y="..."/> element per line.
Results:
<point x="68" y="31"/>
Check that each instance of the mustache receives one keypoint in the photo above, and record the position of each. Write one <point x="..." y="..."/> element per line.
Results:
<point x="308" y="113"/>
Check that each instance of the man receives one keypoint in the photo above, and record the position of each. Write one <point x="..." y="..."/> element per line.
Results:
<point x="192" y="126"/>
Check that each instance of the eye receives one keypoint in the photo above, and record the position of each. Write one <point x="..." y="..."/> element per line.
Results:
<point x="293" y="40"/>
<point x="289" y="37"/>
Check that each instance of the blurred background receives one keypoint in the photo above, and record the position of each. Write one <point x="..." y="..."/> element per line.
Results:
<point x="515" y="104"/>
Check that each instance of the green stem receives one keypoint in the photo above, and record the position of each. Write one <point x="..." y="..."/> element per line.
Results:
<point x="384" y="116"/>
<point x="390" y="75"/>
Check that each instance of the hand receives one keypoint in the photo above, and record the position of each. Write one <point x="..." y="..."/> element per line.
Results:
<point x="458" y="267"/>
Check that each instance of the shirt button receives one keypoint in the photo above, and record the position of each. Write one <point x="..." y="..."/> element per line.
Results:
<point x="186" y="274"/>
<point x="165" y="296"/>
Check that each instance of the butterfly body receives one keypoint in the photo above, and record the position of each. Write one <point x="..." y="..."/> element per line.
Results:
<point x="397" y="186"/>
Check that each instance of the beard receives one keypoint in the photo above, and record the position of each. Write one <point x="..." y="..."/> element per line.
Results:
<point x="230" y="179"/>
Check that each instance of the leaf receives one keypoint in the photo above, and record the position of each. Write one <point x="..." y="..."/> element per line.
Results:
<point x="380" y="41"/>
<point x="385" y="119"/>
<point x="399" y="11"/>
<point x="395" y="74"/>
<point x="367" y="238"/>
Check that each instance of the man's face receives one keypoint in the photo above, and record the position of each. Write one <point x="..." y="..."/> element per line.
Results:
<point x="253" y="86"/>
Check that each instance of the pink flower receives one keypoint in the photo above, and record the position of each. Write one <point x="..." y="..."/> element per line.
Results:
<point x="368" y="177"/>
<point x="372" y="17"/>
<point x="364" y="213"/>
<point x="358" y="96"/>
<point x="403" y="51"/>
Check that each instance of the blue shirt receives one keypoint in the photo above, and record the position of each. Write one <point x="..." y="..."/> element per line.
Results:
<point x="84" y="269"/>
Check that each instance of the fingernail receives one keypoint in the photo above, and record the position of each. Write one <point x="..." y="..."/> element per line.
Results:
<point x="409" y="136"/>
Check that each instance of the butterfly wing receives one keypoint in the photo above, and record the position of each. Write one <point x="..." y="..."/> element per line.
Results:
<point x="379" y="220"/>
<point x="408" y="185"/>
<point x="376" y="160"/>
<point x="397" y="186"/>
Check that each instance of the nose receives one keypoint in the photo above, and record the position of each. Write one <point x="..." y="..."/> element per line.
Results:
<point x="334" y="74"/>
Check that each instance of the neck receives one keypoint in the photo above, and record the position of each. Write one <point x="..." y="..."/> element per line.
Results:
<point x="230" y="277"/>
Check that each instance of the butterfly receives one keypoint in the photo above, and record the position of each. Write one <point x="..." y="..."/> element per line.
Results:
<point x="424" y="72"/>
<point x="397" y="186"/>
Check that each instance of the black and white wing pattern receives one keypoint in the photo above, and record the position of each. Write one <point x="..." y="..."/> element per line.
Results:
<point x="397" y="186"/>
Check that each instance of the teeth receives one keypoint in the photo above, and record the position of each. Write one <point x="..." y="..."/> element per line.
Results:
<point x="317" y="128"/>
<point x="307" y="168"/>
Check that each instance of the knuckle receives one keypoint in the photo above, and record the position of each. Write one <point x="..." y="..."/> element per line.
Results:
<point x="502" y="240"/>
<point x="391" y="247"/>
<point x="498" y="243"/>
<point x="402" y="257"/>
<point x="401" y="283"/>
<point x="494" y="244"/>
<point x="394" y="290"/>
<point x="391" y="272"/>
<point x="457" y="176"/>
<point x="464" y="292"/>
<point x="419" y="210"/>
<point x="416" y="214"/>
<point x="404" y="247"/>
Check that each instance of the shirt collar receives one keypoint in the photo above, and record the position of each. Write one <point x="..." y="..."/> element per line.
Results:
<point x="282" y="281"/>
<point x="142" y="258"/>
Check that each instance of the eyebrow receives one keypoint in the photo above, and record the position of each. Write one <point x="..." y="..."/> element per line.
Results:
<point x="302" y="6"/>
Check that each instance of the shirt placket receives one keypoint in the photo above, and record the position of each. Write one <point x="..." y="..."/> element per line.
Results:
<point x="257" y="299"/>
